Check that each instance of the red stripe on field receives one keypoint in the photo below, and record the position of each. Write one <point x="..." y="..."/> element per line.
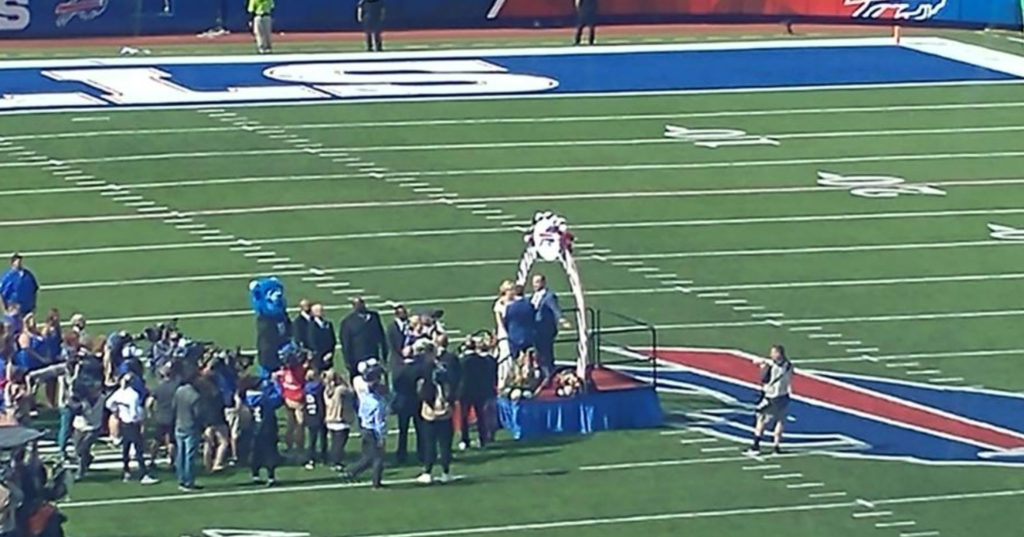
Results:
<point x="849" y="397"/>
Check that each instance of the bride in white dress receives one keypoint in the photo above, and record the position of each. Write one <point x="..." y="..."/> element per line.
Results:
<point x="504" y="362"/>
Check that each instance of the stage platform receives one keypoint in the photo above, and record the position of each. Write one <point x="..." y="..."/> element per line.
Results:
<point x="616" y="401"/>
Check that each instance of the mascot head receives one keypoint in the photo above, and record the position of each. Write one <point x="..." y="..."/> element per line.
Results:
<point x="266" y="295"/>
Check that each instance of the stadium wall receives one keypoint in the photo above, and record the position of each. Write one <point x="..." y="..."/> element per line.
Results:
<point x="81" y="18"/>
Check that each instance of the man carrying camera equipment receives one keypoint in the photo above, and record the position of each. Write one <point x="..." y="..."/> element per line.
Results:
<point x="776" y="388"/>
<point x="87" y="405"/>
<point x="373" y="413"/>
<point x="161" y="404"/>
<point x="436" y="396"/>
<point x="187" y="410"/>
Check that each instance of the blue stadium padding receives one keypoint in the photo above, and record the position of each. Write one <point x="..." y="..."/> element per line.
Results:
<point x="634" y="408"/>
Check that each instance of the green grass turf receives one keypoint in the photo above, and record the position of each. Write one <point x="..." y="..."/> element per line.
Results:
<point x="124" y="274"/>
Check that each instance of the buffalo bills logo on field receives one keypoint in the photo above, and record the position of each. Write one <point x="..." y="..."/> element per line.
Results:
<point x="83" y="9"/>
<point x="906" y="10"/>
<point x="847" y="415"/>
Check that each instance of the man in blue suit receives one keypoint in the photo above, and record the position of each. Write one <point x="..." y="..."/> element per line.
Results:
<point x="520" y="323"/>
<point x="548" y="317"/>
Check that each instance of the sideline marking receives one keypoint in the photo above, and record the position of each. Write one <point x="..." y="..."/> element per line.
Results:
<point x="575" y="523"/>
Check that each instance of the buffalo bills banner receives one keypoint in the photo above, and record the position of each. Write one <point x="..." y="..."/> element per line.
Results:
<point x="77" y="18"/>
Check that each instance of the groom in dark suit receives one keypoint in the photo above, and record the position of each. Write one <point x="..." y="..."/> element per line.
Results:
<point x="362" y="336"/>
<point x="520" y="323"/>
<point x="548" y="317"/>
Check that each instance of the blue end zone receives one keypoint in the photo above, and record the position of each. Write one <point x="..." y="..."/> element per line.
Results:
<point x="103" y="84"/>
<point x="751" y="68"/>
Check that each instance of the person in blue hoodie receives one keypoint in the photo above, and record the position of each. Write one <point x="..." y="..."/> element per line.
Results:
<point x="263" y="400"/>
<point x="19" y="286"/>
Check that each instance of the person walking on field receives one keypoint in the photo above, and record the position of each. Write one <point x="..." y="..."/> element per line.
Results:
<point x="586" y="16"/>
<point x="776" y="386"/>
<point x="371" y="14"/>
<point x="262" y="23"/>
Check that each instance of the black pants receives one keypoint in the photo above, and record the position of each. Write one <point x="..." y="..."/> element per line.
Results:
<point x="83" y="448"/>
<point x="373" y="23"/>
<point x="545" y="348"/>
<point x="586" y="16"/>
<point x="373" y="456"/>
<point x="437" y="436"/>
<point x="402" y="452"/>
<point x="480" y="409"/>
<point x="131" y="435"/>
<point x="338" y="441"/>
<point x="264" y="455"/>
<point x="316" y="434"/>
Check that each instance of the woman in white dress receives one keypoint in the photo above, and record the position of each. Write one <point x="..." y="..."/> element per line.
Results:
<point x="505" y="363"/>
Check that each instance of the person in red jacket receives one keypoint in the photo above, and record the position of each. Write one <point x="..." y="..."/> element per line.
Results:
<point x="292" y="379"/>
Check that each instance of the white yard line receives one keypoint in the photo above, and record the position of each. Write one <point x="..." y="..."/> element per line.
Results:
<point x="786" y="112"/>
<point x="704" y="192"/>
<point x="704" y="222"/>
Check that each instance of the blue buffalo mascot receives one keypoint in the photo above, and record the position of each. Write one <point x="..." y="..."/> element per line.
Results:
<point x="273" y="328"/>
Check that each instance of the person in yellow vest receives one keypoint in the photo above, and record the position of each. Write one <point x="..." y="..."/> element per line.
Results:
<point x="261" y="23"/>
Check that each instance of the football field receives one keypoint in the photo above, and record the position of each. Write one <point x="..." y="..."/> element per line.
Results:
<point x="875" y="228"/>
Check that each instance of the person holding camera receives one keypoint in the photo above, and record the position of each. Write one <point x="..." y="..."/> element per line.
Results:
<point x="161" y="403"/>
<point x="437" y="396"/>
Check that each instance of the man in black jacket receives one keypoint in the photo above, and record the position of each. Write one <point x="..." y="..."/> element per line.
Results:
<point x="406" y="405"/>
<point x="301" y="325"/>
<point x="478" y="391"/>
<point x="321" y="339"/>
<point x="362" y="336"/>
<point x="396" y="336"/>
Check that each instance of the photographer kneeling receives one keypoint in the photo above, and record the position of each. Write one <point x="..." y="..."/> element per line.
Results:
<point x="437" y="396"/>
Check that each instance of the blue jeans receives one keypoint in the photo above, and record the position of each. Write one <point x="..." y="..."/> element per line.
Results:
<point x="185" y="443"/>
<point x="65" y="430"/>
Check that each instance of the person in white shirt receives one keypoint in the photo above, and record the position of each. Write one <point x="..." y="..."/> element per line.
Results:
<point x="505" y="362"/>
<point x="776" y="389"/>
<point x="126" y="404"/>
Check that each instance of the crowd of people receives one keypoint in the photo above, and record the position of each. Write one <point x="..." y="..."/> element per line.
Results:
<point x="159" y="396"/>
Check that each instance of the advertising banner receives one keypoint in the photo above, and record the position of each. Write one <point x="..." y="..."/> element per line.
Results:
<point x="77" y="18"/>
